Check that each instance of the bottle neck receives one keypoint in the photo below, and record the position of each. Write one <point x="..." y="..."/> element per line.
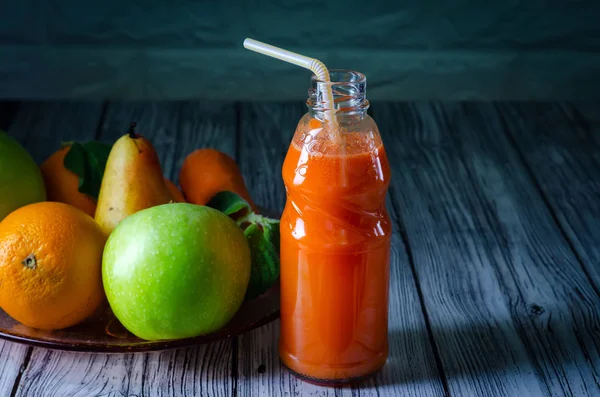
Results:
<point x="349" y="90"/>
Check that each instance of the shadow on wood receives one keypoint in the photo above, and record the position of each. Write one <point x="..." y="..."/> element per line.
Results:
<point x="494" y="360"/>
<point x="8" y="109"/>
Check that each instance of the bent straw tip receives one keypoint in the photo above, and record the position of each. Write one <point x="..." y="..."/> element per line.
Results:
<point x="248" y="42"/>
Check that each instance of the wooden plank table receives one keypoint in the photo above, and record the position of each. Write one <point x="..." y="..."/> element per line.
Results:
<point x="495" y="275"/>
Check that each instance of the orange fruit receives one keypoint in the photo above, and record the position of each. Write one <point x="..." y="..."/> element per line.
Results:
<point x="175" y="192"/>
<point x="50" y="265"/>
<point x="206" y="172"/>
<point x="62" y="184"/>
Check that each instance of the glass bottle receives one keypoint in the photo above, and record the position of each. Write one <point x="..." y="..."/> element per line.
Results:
<point x="335" y="239"/>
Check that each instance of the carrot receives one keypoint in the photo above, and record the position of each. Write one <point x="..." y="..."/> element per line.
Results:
<point x="206" y="172"/>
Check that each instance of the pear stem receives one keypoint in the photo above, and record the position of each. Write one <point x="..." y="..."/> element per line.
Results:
<point x="131" y="131"/>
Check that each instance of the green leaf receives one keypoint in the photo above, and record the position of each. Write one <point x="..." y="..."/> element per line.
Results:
<point x="262" y="234"/>
<point x="88" y="161"/>
<point x="230" y="204"/>
<point x="265" y="258"/>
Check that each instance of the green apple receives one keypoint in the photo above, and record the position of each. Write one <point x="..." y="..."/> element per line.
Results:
<point x="176" y="270"/>
<point x="21" y="180"/>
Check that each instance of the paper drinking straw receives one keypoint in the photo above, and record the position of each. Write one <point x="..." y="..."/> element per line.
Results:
<point x="312" y="64"/>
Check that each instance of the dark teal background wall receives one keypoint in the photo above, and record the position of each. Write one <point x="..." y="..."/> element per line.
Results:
<point x="432" y="49"/>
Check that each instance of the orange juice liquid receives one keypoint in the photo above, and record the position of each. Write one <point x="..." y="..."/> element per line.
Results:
<point x="335" y="254"/>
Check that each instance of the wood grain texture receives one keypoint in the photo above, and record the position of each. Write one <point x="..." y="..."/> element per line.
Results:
<point x="511" y="311"/>
<point x="14" y="358"/>
<point x="556" y="306"/>
<point x="57" y="374"/>
<point x="586" y="114"/>
<point x="411" y="369"/>
<point x="266" y="132"/>
<point x="42" y="126"/>
<point x="476" y="339"/>
<point x="175" y="130"/>
<point x="560" y="145"/>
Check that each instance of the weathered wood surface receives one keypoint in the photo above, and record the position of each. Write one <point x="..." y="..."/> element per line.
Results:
<point x="561" y="148"/>
<point x="495" y="264"/>
<point x="512" y="311"/>
<point x="553" y="302"/>
<point x="472" y="327"/>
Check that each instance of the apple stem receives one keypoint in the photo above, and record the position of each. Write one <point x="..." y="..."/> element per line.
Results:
<point x="131" y="131"/>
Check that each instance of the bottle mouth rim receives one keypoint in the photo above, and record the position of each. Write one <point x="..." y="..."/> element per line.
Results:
<point x="357" y="77"/>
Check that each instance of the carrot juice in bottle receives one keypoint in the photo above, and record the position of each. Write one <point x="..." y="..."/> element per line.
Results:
<point x="335" y="239"/>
